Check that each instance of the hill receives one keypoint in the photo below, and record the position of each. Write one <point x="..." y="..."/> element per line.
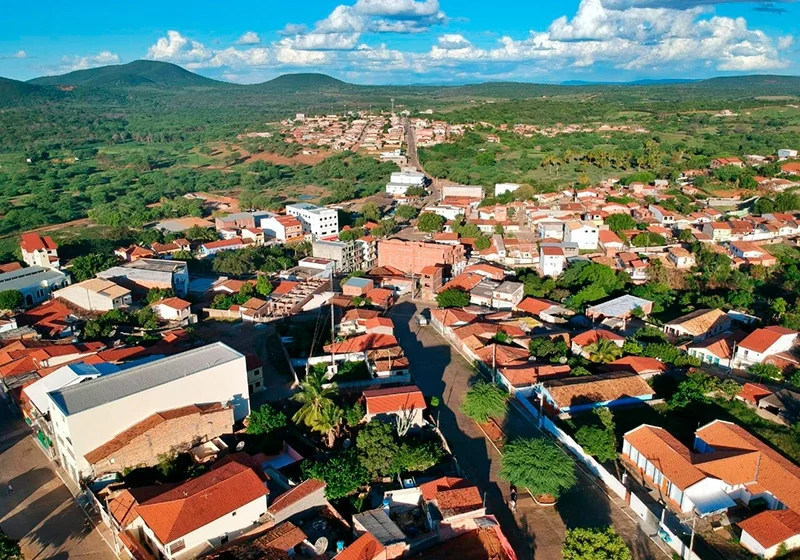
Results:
<point x="304" y="82"/>
<point x="134" y="74"/>
<point x="14" y="90"/>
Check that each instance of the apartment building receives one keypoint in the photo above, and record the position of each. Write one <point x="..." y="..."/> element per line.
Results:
<point x="585" y="234"/>
<point x="96" y="294"/>
<point x="346" y="254"/>
<point x="282" y="228"/>
<point x="88" y="415"/>
<point x="400" y="182"/>
<point x="412" y="257"/>
<point x="551" y="260"/>
<point x="318" y="221"/>
<point x="146" y="274"/>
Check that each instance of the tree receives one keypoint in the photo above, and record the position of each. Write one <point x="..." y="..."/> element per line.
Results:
<point x="482" y="243"/>
<point x="86" y="267"/>
<point x="330" y="419"/>
<point x="263" y="285"/>
<point x="406" y="212"/>
<point x="766" y="371"/>
<point x="377" y="447"/>
<point x="265" y="420"/>
<point x="157" y="294"/>
<point x="484" y="400"/>
<point x="314" y="399"/>
<point x="648" y="239"/>
<point x="430" y="222"/>
<point x="9" y="548"/>
<point x="620" y="222"/>
<point x="545" y="348"/>
<point x="603" y="351"/>
<point x="594" y="544"/>
<point x="343" y="473"/>
<point x="695" y="388"/>
<point x="354" y="415"/>
<point x="538" y="465"/>
<point x="11" y="299"/>
<point x="452" y="297"/>
<point x="371" y="212"/>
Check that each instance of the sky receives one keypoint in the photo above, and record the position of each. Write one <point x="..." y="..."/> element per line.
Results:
<point x="409" y="41"/>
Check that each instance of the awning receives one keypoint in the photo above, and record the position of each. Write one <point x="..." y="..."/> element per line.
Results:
<point x="708" y="498"/>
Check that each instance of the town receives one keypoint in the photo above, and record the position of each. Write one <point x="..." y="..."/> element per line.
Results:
<point x="439" y="369"/>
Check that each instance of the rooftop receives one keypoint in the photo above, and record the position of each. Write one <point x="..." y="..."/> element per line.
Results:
<point x="25" y="277"/>
<point x="381" y="401"/>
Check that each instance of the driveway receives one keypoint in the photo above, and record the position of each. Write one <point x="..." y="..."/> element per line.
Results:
<point x="535" y="532"/>
<point x="40" y="511"/>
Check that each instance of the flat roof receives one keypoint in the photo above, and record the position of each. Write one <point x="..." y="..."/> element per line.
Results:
<point x="103" y="390"/>
<point x="28" y="276"/>
<point x="620" y="306"/>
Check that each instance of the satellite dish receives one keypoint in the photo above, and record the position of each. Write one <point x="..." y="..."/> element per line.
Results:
<point x="240" y="446"/>
<point x="562" y="360"/>
<point x="321" y="545"/>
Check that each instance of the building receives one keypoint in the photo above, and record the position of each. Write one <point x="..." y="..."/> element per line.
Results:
<point x="430" y="281"/>
<point x="719" y="232"/>
<point x="319" y="222"/>
<point x="146" y="274"/>
<point x="356" y="286"/>
<point x="196" y="516"/>
<point x="39" y="251"/>
<point x="716" y="350"/>
<point x="580" y="341"/>
<point x="681" y="258"/>
<point x="503" y="188"/>
<point x="133" y="253"/>
<point x="211" y="248"/>
<point x="346" y="254"/>
<point x="400" y="182"/>
<point x="786" y="153"/>
<point x="404" y="405"/>
<point x="551" y="260"/>
<point x="462" y="191"/>
<point x="282" y="228"/>
<point x="90" y="414"/>
<point x="35" y="283"/>
<point x="95" y="294"/>
<point x="761" y="343"/>
<point x="580" y="394"/>
<point x="585" y="234"/>
<point x="179" y="225"/>
<point x="507" y="295"/>
<point x="411" y="257"/>
<point x="238" y="220"/>
<point x="699" y="324"/>
<point x="765" y="533"/>
<point x="173" y="309"/>
<point x="723" y="161"/>
<point x="622" y="307"/>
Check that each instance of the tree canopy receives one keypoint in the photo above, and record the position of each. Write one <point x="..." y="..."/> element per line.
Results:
<point x="594" y="544"/>
<point x="538" y="465"/>
<point x="452" y="297"/>
<point x="484" y="400"/>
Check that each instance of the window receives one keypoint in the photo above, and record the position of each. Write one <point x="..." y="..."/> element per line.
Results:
<point x="177" y="546"/>
<point x="233" y="514"/>
<point x="258" y="383"/>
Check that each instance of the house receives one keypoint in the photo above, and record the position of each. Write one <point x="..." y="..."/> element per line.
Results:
<point x="699" y="324"/>
<point x="716" y="163"/>
<point x="145" y="274"/>
<point x="551" y="260"/>
<point x="761" y="343"/>
<point x="51" y="319"/>
<point x="681" y="258"/>
<point x="765" y="533"/>
<point x="621" y="307"/>
<point x="252" y="235"/>
<point x="355" y="320"/>
<point x="610" y="242"/>
<point x="640" y="365"/>
<point x="507" y="295"/>
<point x="211" y="248"/>
<point x="95" y="294"/>
<point x="487" y="270"/>
<point x="430" y="281"/>
<point x="171" y="248"/>
<point x="581" y="341"/>
<point x="173" y="309"/>
<point x="35" y="283"/>
<point x="380" y="297"/>
<point x="357" y="287"/>
<point x="716" y="350"/>
<point x="279" y="542"/>
<point x="403" y="405"/>
<point x="39" y="251"/>
<point x="544" y="309"/>
<point x="90" y="414"/>
<point x="752" y="253"/>
<point x="580" y="394"/>
<point x="133" y="253"/>
<point x="523" y="377"/>
<point x="282" y="228"/>
<point x="719" y="232"/>
<point x="195" y="516"/>
<point x="585" y="234"/>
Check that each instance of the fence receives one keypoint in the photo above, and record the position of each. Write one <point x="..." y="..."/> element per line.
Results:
<point x="596" y="468"/>
<point x="651" y="523"/>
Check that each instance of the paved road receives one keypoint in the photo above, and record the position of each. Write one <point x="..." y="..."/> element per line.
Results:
<point x="535" y="532"/>
<point x="40" y="511"/>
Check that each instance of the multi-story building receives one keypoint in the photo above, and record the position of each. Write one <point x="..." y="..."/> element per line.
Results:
<point x="346" y="254"/>
<point x="319" y="222"/>
<point x="146" y="274"/>
<point x="551" y="260"/>
<point x="39" y="251"/>
<point x="88" y="415"/>
<point x="585" y="234"/>
<point x="282" y="228"/>
<point x="413" y="256"/>
<point x="401" y="181"/>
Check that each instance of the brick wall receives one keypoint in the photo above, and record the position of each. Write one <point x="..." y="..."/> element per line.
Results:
<point x="178" y="434"/>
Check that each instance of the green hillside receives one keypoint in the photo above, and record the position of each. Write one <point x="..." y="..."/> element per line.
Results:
<point x="14" y="90"/>
<point x="134" y="74"/>
<point x="304" y="82"/>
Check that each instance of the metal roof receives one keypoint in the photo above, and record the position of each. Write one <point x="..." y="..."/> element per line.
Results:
<point x="103" y="390"/>
<point x="378" y="522"/>
<point x="29" y="276"/>
<point x="619" y="307"/>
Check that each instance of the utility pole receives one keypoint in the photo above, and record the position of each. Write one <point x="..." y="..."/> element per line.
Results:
<point x="691" y="541"/>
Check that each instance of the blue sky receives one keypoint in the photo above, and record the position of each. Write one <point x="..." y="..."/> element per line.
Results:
<point x="409" y="41"/>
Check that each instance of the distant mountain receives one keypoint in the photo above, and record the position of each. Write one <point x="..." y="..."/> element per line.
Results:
<point x="134" y="74"/>
<point x="303" y="82"/>
<point x="645" y="82"/>
<point x="14" y="90"/>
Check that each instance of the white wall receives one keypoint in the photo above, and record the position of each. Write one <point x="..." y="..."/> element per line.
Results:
<point x="87" y="299"/>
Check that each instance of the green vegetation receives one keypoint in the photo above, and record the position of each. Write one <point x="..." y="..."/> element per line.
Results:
<point x="86" y="267"/>
<point x="594" y="544"/>
<point x="318" y="411"/>
<point x="484" y="400"/>
<point x="596" y="435"/>
<point x="384" y="453"/>
<point x="538" y="465"/>
<point x="430" y="222"/>
<point x="265" y="419"/>
<point x="452" y="297"/>
<point x="343" y="473"/>
<point x="9" y="548"/>
<point x="548" y="349"/>
<point x="11" y="299"/>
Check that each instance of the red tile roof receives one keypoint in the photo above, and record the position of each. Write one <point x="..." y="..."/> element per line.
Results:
<point x="200" y="501"/>
<point x="772" y="527"/>
<point x="294" y="495"/>
<point x="754" y="392"/>
<point x="222" y="243"/>
<point x="459" y="500"/>
<point x="376" y="322"/>
<point x="760" y="340"/>
<point x="382" y="401"/>
<point x="365" y="547"/>
<point x="34" y="242"/>
<point x="639" y="364"/>
<point x="174" y="303"/>
<point x="535" y="306"/>
<point x="525" y="374"/>
<point x="592" y="336"/>
<point x="671" y="457"/>
<point x="431" y="489"/>
<point x="362" y="343"/>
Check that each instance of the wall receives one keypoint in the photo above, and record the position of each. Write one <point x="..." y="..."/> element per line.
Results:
<point x="85" y="299"/>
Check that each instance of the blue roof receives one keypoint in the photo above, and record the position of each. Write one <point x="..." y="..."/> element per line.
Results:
<point x="358" y="282"/>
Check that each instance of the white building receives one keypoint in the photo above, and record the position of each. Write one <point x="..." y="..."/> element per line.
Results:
<point x="96" y="294"/>
<point x="762" y="343"/>
<point x="320" y="222"/>
<point x="146" y="274"/>
<point x="39" y="251"/>
<point x="463" y="191"/>
<point x="507" y="295"/>
<point x="585" y="234"/>
<point x="786" y="153"/>
<point x="87" y="415"/>
<point x="35" y="283"/>
<point x="400" y="182"/>
<point x="503" y="188"/>
<point x="551" y="260"/>
<point x="446" y="211"/>
<point x="173" y="309"/>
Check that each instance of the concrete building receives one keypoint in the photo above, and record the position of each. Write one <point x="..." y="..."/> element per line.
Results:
<point x="400" y="182"/>
<point x="39" y="251"/>
<point x="282" y="228"/>
<point x="211" y="248"/>
<point x="503" y="188"/>
<point x="173" y="309"/>
<point x="145" y="274"/>
<point x="786" y="153"/>
<point x="36" y="283"/>
<point x="430" y="281"/>
<point x="90" y="414"/>
<point x="319" y="222"/>
<point x="551" y="260"/>
<point x="413" y="256"/>
<point x="346" y="254"/>
<point x="463" y="191"/>
<point x="96" y="294"/>
<point x="397" y="404"/>
<point x="762" y="343"/>
<point x="585" y="234"/>
<point x="507" y="295"/>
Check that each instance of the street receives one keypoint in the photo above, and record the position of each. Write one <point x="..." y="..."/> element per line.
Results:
<point x="534" y="531"/>
<point x="40" y="511"/>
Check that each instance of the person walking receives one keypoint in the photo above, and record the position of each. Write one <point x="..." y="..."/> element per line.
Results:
<point x="10" y="489"/>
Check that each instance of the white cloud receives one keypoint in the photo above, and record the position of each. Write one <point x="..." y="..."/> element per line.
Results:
<point x="322" y="41"/>
<point x="177" y="48"/>
<point x="293" y="29"/>
<point x="103" y="58"/>
<point x="249" y="38"/>
<point x="397" y="8"/>
<point x="236" y="58"/>
<point x="453" y="41"/>
<point x="785" y="42"/>
<point x="293" y="57"/>
<point x="20" y="54"/>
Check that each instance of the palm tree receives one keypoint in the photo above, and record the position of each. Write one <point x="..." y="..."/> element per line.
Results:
<point x="314" y="399"/>
<point x="603" y="351"/>
<point x="329" y="421"/>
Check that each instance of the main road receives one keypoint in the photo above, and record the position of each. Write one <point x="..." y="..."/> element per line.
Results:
<point x="534" y="531"/>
